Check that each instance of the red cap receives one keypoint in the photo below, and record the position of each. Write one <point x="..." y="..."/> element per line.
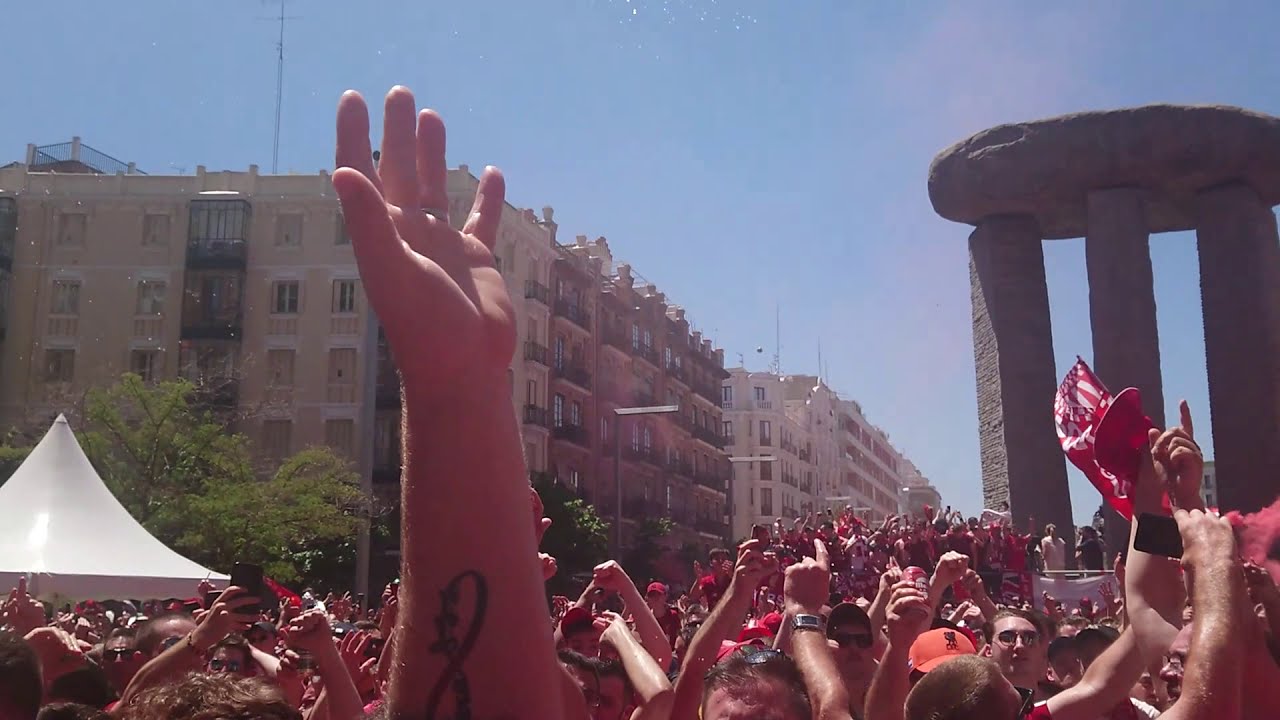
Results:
<point x="656" y="587"/>
<point x="754" y="632"/>
<point x="938" y="646"/>
<point x="727" y="647"/>
<point x="773" y="621"/>
<point x="575" y="618"/>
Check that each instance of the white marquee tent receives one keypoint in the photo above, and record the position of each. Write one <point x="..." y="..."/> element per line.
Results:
<point x="62" y="527"/>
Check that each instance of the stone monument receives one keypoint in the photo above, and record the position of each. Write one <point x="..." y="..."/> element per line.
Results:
<point x="1115" y="177"/>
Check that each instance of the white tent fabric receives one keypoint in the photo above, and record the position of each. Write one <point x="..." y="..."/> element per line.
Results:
<point x="62" y="527"/>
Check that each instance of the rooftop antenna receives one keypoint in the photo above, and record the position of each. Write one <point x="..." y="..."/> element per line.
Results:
<point x="275" y="144"/>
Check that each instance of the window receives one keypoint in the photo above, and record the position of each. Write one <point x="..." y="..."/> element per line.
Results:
<point x="280" y="367"/>
<point x="726" y="428"/>
<point x="155" y="230"/>
<point x="59" y="365"/>
<point x="666" y="355"/>
<point x="766" y="433"/>
<point x="531" y="392"/>
<point x="766" y="501"/>
<point x="339" y="434"/>
<point x="648" y="339"/>
<point x="635" y="336"/>
<point x="344" y="296"/>
<point x="759" y="394"/>
<point x="604" y="430"/>
<point x="151" y="297"/>
<point x="145" y="364"/>
<point x="766" y="471"/>
<point x="277" y="437"/>
<point x="66" y="297"/>
<point x="726" y="394"/>
<point x="72" y="229"/>
<point x="575" y="478"/>
<point x="285" y="293"/>
<point x="648" y="437"/>
<point x="289" y="230"/>
<point x="635" y="437"/>
<point x="218" y="220"/>
<point x="559" y="353"/>
<point x="342" y="366"/>
<point x="557" y="410"/>
<point x="575" y="414"/>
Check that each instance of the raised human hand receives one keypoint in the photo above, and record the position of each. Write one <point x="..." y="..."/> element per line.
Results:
<point x="443" y="303"/>
<point x="807" y="584"/>
<point x="951" y="568"/>
<point x="908" y="614"/>
<point x="20" y="611"/>
<point x="225" y="617"/>
<point x="310" y="632"/>
<point x="610" y="576"/>
<point x="58" y="651"/>
<point x="753" y="567"/>
<point x="1178" y="461"/>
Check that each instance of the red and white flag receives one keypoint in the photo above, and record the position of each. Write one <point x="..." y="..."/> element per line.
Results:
<point x="1106" y="452"/>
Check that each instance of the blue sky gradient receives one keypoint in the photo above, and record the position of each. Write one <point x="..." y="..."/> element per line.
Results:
<point x="741" y="155"/>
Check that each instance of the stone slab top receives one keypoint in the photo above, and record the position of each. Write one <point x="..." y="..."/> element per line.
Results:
<point x="1046" y="168"/>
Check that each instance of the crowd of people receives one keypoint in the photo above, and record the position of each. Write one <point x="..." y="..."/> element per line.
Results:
<point x="913" y="619"/>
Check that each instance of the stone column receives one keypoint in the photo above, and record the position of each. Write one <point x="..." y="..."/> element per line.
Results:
<point x="1022" y="462"/>
<point x="1122" y="309"/>
<point x="1240" y="293"/>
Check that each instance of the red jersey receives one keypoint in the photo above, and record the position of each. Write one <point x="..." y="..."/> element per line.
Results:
<point x="669" y="621"/>
<point x="712" y="590"/>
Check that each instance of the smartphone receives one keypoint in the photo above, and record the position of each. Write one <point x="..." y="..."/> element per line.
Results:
<point x="373" y="649"/>
<point x="249" y="577"/>
<point x="360" y="602"/>
<point x="1158" y="535"/>
<point x="210" y="598"/>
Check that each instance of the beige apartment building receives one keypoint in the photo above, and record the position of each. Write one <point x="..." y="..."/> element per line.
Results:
<point x="917" y="492"/>
<point x="243" y="283"/>
<point x="798" y="447"/>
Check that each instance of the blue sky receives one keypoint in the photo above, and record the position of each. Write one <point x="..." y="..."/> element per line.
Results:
<point x="741" y="155"/>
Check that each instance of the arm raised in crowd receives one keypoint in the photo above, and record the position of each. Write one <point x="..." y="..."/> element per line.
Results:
<point x="909" y="615"/>
<point x="724" y="622"/>
<point x="1211" y="683"/>
<point x="1154" y="593"/>
<point x="451" y="328"/>
<point x="805" y="591"/>
<point x="651" y="684"/>
<point x="610" y="576"/>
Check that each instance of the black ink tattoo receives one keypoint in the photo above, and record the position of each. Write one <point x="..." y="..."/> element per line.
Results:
<point x="456" y="650"/>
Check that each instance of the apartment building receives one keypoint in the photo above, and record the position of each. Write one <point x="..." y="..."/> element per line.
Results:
<point x="615" y="343"/>
<point x="245" y="284"/>
<point x="917" y="491"/>
<point x="1209" y="485"/>
<point x="798" y="447"/>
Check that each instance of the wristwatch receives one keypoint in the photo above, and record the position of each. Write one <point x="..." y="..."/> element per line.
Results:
<point x="806" y="622"/>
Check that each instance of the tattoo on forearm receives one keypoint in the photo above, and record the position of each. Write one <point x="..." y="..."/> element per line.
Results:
<point x="456" y="649"/>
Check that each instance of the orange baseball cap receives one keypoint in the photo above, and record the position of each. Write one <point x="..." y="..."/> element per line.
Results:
<point x="935" y="647"/>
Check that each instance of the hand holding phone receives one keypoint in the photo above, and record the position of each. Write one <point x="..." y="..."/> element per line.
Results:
<point x="1158" y="535"/>
<point x="249" y="577"/>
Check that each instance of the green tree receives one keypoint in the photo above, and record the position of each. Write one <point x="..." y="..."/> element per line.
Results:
<point x="11" y="457"/>
<point x="640" y="559"/>
<point x="578" y="537"/>
<point x="191" y="481"/>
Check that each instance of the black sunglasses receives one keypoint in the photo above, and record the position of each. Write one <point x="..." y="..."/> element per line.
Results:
<point x="763" y="655"/>
<point x="844" y="640"/>
<point x="116" y="654"/>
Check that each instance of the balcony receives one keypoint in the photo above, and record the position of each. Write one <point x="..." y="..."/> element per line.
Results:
<point x="575" y="374"/>
<point x="643" y="399"/>
<point x="649" y="455"/>
<point x="211" y="326"/>
<point x="575" y="434"/>
<point x="788" y="446"/>
<point x="533" y="352"/>
<point x="675" y="371"/>
<point x="680" y="467"/>
<point x="707" y="480"/>
<point x="711" y="526"/>
<point x="216" y="392"/>
<point x="708" y="391"/>
<point x="536" y="291"/>
<point x="766" y="441"/>
<point x="534" y="415"/>
<point x="635" y="508"/>
<point x="646" y="353"/>
<point x="710" y="437"/>
<point x="805" y="455"/>
<point x="573" y="313"/>
<point x="616" y="338"/>
<point x="217" y="235"/>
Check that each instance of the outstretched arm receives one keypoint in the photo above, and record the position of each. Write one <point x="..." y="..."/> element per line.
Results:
<point x="451" y="328"/>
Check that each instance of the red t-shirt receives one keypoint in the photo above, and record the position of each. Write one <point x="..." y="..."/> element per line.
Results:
<point x="1040" y="712"/>
<point x="669" y="621"/>
<point x="712" y="590"/>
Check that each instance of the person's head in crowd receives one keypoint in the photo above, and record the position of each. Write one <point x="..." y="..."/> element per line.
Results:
<point x="1018" y="642"/>
<point x="87" y="685"/>
<point x="1051" y="530"/>
<point x="1087" y="532"/>
<point x="721" y="564"/>
<point x="231" y="655"/>
<point x="21" y="686"/>
<point x="159" y="634"/>
<point x="1071" y="626"/>
<point x="756" y="682"/>
<point x="1174" y="662"/>
<point x="578" y="629"/>
<point x="262" y="635"/>
<point x="604" y="685"/>
<point x="1092" y="641"/>
<point x="1064" y="662"/>
<point x="849" y="630"/>
<point x="121" y="658"/>
<point x="212" y="696"/>
<point x="71" y="711"/>
<point x="656" y="597"/>
<point x="967" y="687"/>
<point x="935" y="647"/>
<point x="1145" y="691"/>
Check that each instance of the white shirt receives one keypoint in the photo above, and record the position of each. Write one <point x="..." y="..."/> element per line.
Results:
<point x="1054" y="552"/>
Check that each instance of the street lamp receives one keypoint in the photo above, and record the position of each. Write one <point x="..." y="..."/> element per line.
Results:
<point x="617" y="461"/>
<point x="737" y="460"/>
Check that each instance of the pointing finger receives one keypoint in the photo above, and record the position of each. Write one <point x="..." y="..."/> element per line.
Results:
<point x="1184" y="411"/>
<point x="486" y="211"/>
<point x="820" y="554"/>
